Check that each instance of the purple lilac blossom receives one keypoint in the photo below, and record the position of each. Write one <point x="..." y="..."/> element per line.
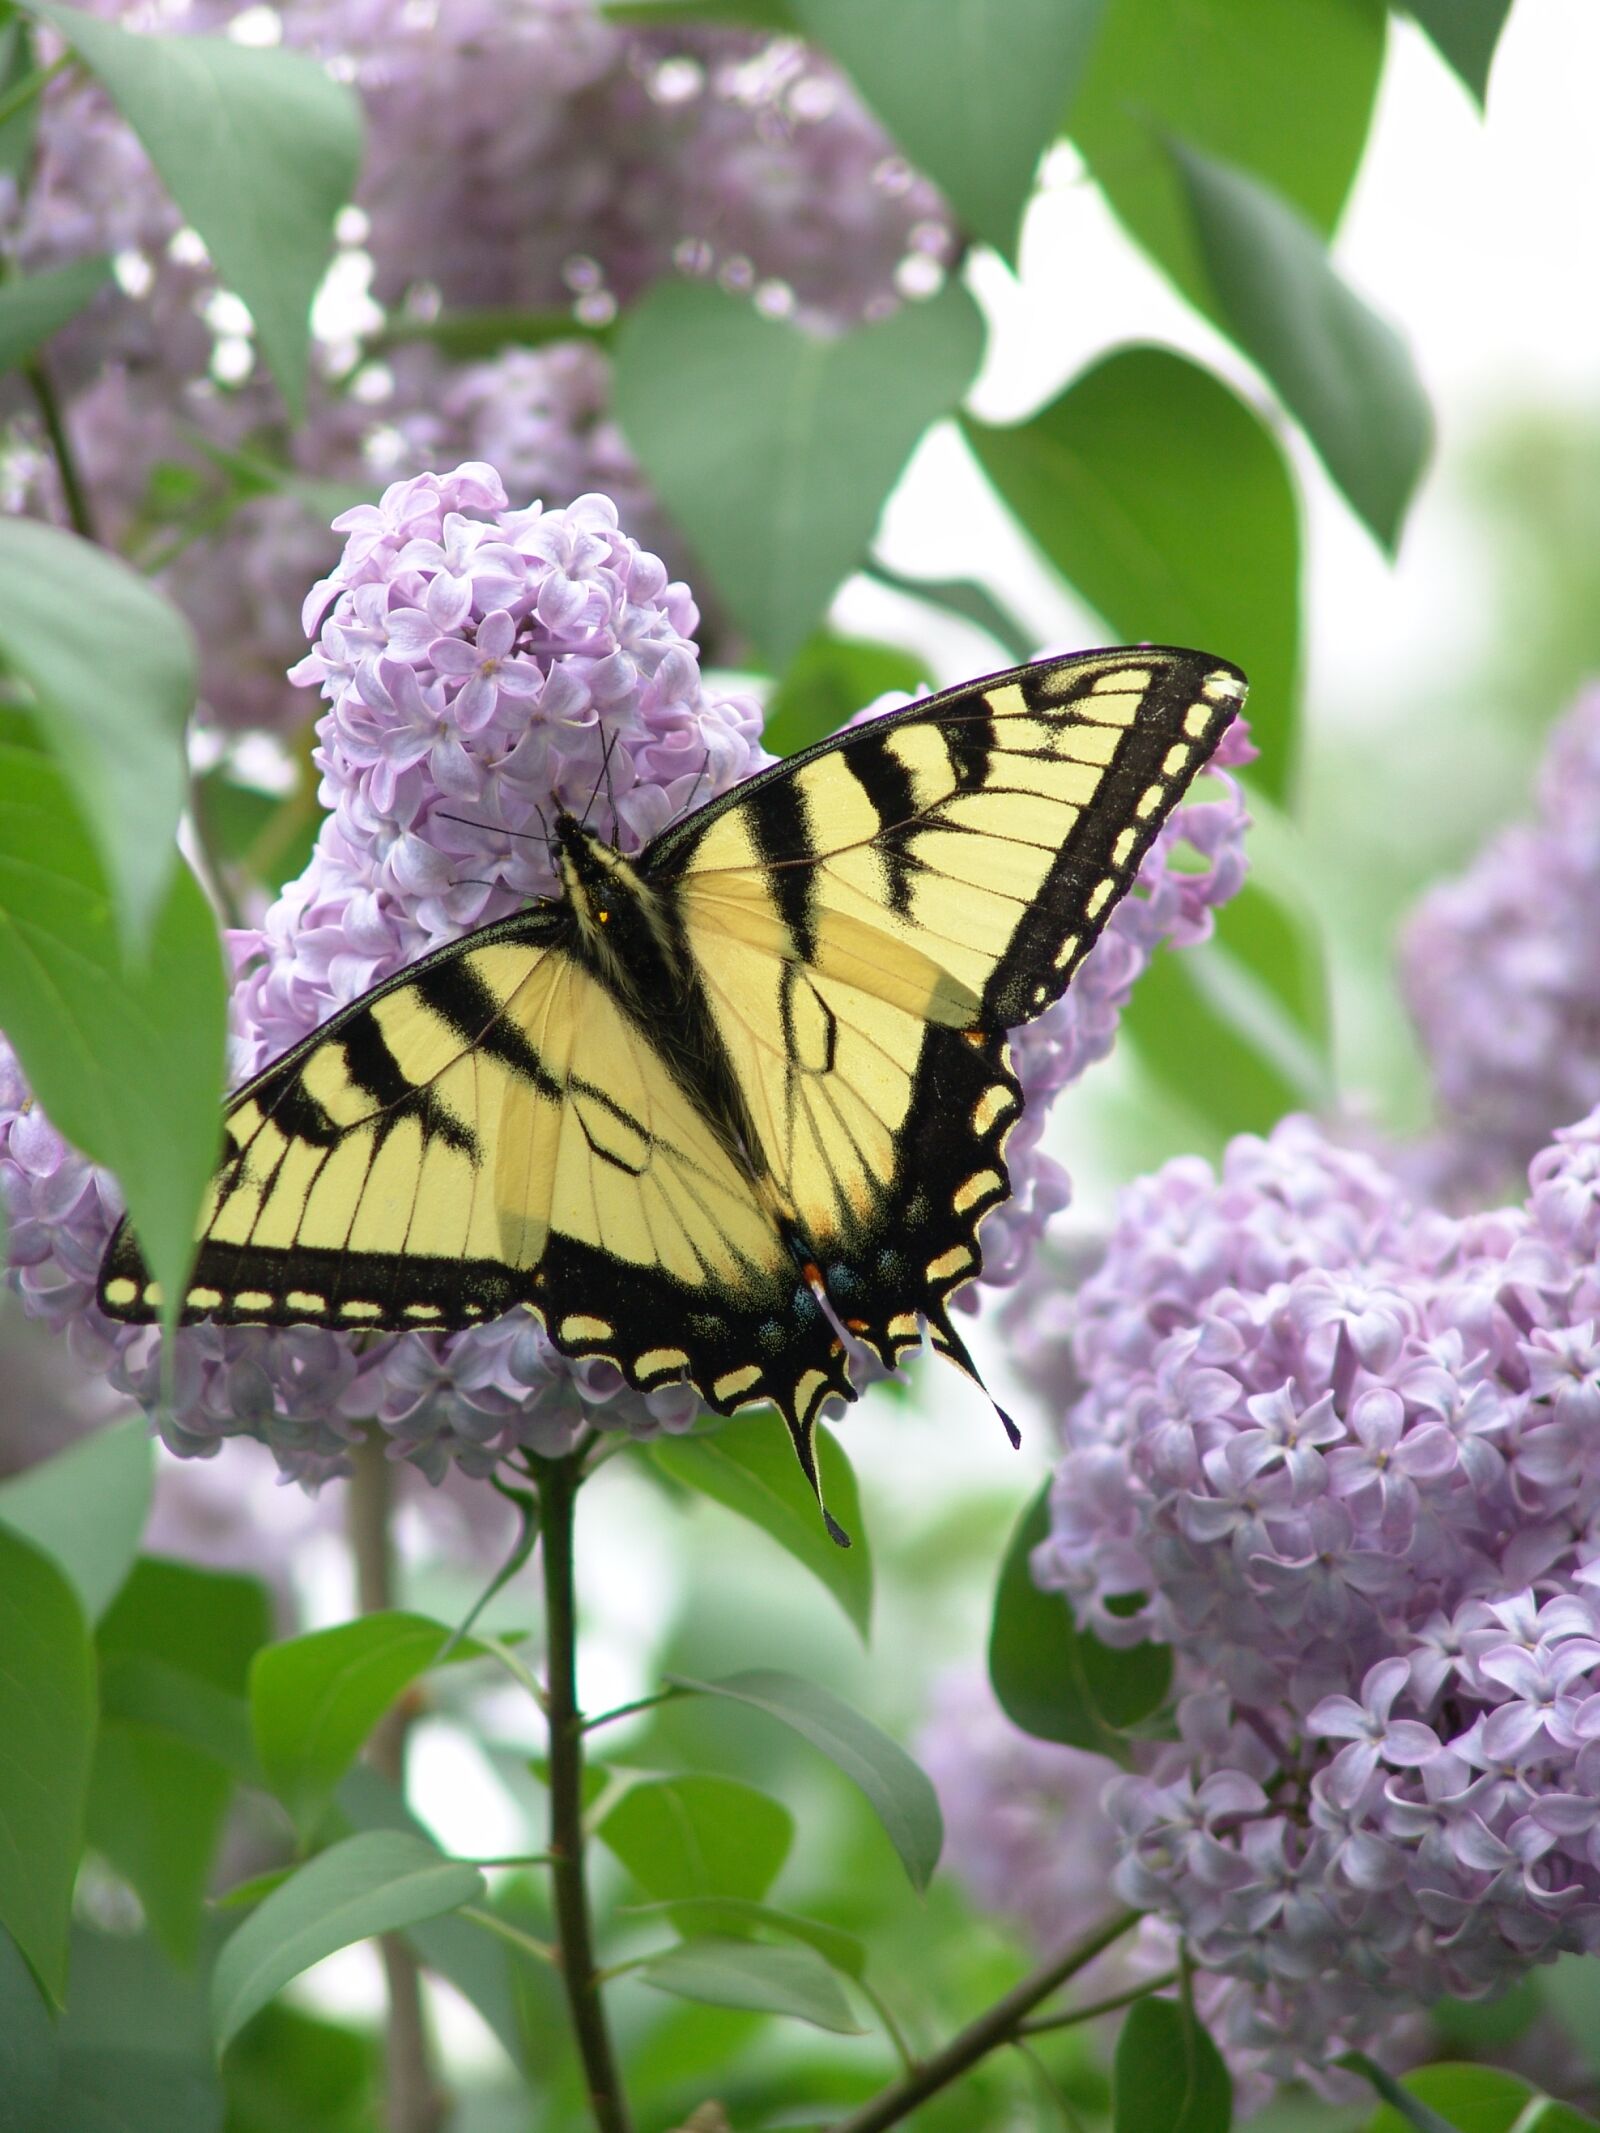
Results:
<point x="492" y="665"/>
<point x="1501" y="970"/>
<point x="1339" y="1451"/>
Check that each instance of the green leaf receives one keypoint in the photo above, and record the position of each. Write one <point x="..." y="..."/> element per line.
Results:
<point x="375" y="1883"/>
<point x="1168" y="2076"/>
<point x="208" y="1624"/>
<point x="699" y="1836"/>
<point x="1222" y="74"/>
<point x="1166" y="502"/>
<point x="1442" y="2099"/>
<point x="1053" y="1679"/>
<point x="898" y="1792"/>
<point x="18" y="63"/>
<point x="114" y="699"/>
<point x="47" y="1722"/>
<point x="292" y="2073"/>
<point x="87" y="1507"/>
<point x="733" y="1917"/>
<point x="774" y="449"/>
<point x="151" y="1692"/>
<point x="132" y="2092"/>
<point x="27" y="2044"/>
<point x="476" y="336"/>
<point x="776" y="15"/>
<point x="741" y="1973"/>
<point x="972" y="90"/>
<point x="827" y="682"/>
<point x="749" y="1466"/>
<point x="1465" y="34"/>
<point x="156" y="1809"/>
<point x="259" y="148"/>
<point x="31" y="310"/>
<point x="1570" y="1988"/>
<point x="127" y="1062"/>
<point x="1343" y="373"/>
<point x="315" y="1699"/>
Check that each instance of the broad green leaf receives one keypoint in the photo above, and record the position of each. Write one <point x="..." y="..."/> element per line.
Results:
<point x="1053" y="1679"/>
<point x="151" y="1692"/>
<point x="32" y="309"/>
<point x="741" y="1973"/>
<point x="968" y="601"/>
<point x="114" y="668"/>
<point x="1570" y="1988"/>
<point x="734" y="1917"/>
<point x="1275" y="925"/>
<point x="259" y="148"/>
<point x="132" y="2092"/>
<point x="156" y="1809"/>
<point x="27" y="2043"/>
<point x="47" y="1720"/>
<point x="208" y="1623"/>
<point x="699" y="1836"/>
<point x="774" y="449"/>
<point x="1168" y="2076"/>
<point x="87" y="1508"/>
<point x="897" y="1790"/>
<point x="475" y="336"/>
<point x="1483" y="2027"/>
<point x="1223" y="74"/>
<point x="375" y="1883"/>
<point x="973" y="90"/>
<point x="293" y="2073"/>
<point x="1445" y="2098"/>
<point x="315" y="1699"/>
<point x="750" y="1467"/>
<point x="827" y="682"/>
<point x="127" y="1062"/>
<point x="1343" y="373"/>
<point x="1465" y="33"/>
<point x="1166" y="502"/>
<point x="18" y="63"/>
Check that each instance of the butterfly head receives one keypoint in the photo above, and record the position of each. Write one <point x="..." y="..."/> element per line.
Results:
<point x="616" y="912"/>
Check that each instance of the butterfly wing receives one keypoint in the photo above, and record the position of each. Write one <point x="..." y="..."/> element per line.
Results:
<point x="869" y="918"/>
<point x="492" y="1128"/>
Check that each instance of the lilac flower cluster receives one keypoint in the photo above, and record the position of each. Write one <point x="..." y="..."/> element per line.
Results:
<point x="1343" y="1455"/>
<point x="1501" y="970"/>
<point x="482" y="667"/>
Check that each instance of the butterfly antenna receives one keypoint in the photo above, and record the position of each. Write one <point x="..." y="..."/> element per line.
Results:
<point x="608" y="742"/>
<point x="949" y="1343"/>
<point x="703" y="778"/>
<point x="498" y="829"/>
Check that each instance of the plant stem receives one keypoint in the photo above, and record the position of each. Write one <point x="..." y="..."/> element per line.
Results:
<point x="21" y="94"/>
<point x="414" y="2102"/>
<point x="72" y="489"/>
<point x="996" y="2026"/>
<point x="558" y="1493"/>
<point x="1041" y="2025"/>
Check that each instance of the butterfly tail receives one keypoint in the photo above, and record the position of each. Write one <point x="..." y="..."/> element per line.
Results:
<point x="803" y="1436"/>
<point x="949" y="1343"/>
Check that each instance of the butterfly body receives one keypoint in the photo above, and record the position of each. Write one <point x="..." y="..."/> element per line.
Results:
<point x="726" y="1108"/>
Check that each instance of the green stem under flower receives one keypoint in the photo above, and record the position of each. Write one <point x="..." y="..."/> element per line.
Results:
<point x="72" y="489"/>
<point x="558" y="1491"/>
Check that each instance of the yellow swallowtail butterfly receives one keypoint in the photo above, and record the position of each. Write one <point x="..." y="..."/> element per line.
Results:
<point x="720" y="1103"/>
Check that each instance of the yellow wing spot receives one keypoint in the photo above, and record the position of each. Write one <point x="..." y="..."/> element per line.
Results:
<point x="807" y="1393"/>
<point x="423" y="1311"/>
<point x="1149" y="800"/>
<point x="733" y="1382"/>
<point x="203" y="1299"/>
<point x="121" y="1291"/>
<point x="1041" y="995"/>
<point x="1120" y="709"/>
<point x="305" y="1300"/>
<point x="1008" y="702"/>
<point x="991" y="1106"/>
<point x="253" y="1300"/>
<point x="903" y="1327"/>
<point x="152" y="1292"/>
<point x="1088" y="744"/>
<point x="580" y="1328"/>
<point x="472" y="1310"/>
<point x="655" y="1360"/>
<point x="1103" y="894"/>
<point x="978" y="1187"/>
<point x="1123" y="681"/>
<point x="1175" y="759"/>
<point x="1123" y="846"/>
<point x="1067" y="950"/>
<point x="357" y="1309"/>
<point x="949" y="1263"/>
<point x="1196" y="719"/>
<point x="1224" y="688"/>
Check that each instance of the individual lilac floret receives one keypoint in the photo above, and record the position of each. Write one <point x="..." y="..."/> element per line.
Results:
<point x="1339" y="1453"/>
<point x="1501" y="970"/>
<point x="481" y="662"/>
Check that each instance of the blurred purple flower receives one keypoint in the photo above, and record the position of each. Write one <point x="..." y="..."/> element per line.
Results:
<point x="1501" y="970"/>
